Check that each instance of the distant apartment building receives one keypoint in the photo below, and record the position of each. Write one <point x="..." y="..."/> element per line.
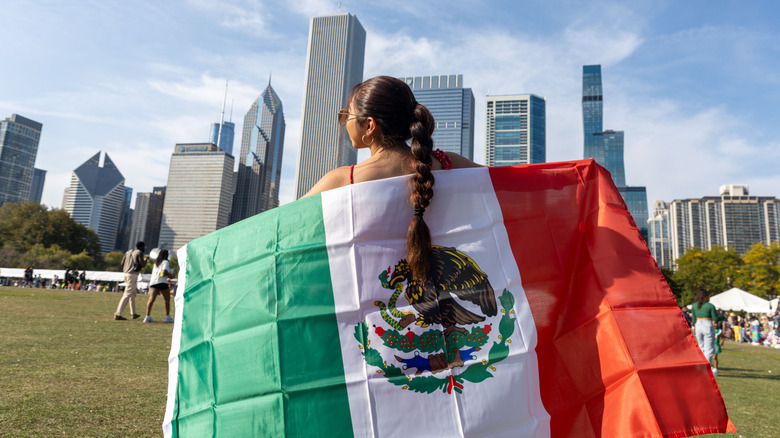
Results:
<point x="19" y="137"/>
<point x="95" y="198"/>
<point x="735" y="219"/>
<point x="452" y="107"/>
<point x="334" y="64"/>
<point x="516" y="130"/>
<point x="147" y="217"/>
<point x="199" y="193"/>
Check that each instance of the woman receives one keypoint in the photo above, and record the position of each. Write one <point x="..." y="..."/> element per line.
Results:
<point x="159" y="285"/>
<point x="705" y="319"/>
<point x="382" y="114"/>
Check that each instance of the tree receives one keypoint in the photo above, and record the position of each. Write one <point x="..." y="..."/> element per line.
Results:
<point x="760" y="274"/>
<point x="713" y="271"/>
<point x="113" y="261"/>
<point x="81" y="261"/>
<point x="676" y="289"/>
<point x="41" y="257"/>
<point x="31" y="226"/>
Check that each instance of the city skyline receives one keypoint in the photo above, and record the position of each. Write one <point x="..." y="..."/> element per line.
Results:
<point x="689" y="116"/>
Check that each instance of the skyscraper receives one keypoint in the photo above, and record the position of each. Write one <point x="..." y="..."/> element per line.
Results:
<point x="452" y="107"/>
<point x="225" y="138"/>
<point x="515" y="131"/>
<point x="606" y="147"/>
<point x="733" y="220"/>
<point x="125" y="223"/>
<point x="334" y="64"/>
<point x="95" y="197"/>
<point x="147" y="217"/>
<point x="260" y="160"/>
<point x="36" y="188"/>
<point x="19" y="137"/>
<point x="199" y="194"/>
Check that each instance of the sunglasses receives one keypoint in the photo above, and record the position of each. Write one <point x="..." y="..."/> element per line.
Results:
<point x="344" y="116"/>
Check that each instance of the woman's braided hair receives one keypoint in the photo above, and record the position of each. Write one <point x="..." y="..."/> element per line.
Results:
<point x="393" y="107"/>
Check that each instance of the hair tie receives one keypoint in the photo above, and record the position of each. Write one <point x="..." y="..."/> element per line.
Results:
<point x="419" y="211"/>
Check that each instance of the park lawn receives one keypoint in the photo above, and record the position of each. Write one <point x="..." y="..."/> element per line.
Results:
<point x="68" y="369"/>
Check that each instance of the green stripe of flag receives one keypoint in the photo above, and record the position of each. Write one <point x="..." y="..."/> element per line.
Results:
<point x="273" y="367"/>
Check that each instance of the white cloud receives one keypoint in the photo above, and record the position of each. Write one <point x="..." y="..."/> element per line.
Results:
<point x="248" y="16"/>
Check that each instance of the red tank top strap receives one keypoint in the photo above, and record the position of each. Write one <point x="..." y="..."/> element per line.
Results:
<point x="351" y="170"/>
<point x="440" y="155"/>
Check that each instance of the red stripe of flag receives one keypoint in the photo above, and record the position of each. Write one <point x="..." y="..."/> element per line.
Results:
<point x="616" y="357"/>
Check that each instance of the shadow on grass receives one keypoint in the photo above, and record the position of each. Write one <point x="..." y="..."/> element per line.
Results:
<point x="741" y="373"/>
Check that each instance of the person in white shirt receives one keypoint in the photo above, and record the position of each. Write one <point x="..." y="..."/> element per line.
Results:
<point x="158" y="284"/>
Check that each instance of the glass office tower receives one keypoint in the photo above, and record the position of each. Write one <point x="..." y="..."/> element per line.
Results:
<point x="452" y="107"/>
<point x="607" y="146"/>
<point x="260" y="160"/>
<point x="19" y="138"/>
<point x="515" y="131"/>
<point x="225" y="138"/>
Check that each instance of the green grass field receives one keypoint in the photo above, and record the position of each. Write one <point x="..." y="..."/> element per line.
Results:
<point x="68" y="369"/>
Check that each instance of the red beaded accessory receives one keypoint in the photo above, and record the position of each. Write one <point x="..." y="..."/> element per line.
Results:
<point x="442" y="156"/>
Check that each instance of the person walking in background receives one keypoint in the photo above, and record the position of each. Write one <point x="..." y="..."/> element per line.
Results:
<point x="83" y="280"/>
<point x="158" y="284"/>
<point x="132" y="263"/>
<point x="705" y="319"/>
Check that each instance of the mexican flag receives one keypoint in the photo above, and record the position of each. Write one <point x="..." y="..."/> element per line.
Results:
<point x="545" y="316"/>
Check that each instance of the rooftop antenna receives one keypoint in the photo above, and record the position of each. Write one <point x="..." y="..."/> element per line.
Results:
<point x="231" y="109"/>
<point x="222" y="119"/>
<point x="339" y="6"/>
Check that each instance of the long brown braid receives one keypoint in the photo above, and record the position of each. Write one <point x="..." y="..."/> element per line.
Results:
<point x="391" y="103"/>
<point x="418" y="237"/>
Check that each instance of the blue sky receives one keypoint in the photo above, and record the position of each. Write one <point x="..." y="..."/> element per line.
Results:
<point x="695" y="85"/>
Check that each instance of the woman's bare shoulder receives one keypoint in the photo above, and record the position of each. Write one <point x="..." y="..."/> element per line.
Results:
<point x="461" y="162"/>
<point x="334" y="179"/>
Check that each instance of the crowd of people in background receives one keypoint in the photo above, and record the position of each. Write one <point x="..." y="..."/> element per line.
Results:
<point x="72" y="279"/>
<point x="745" y="327"/>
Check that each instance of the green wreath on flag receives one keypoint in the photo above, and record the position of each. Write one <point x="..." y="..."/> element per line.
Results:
<point x="432" y="341"/>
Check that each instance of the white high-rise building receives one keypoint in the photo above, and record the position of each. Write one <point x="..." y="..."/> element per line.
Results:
<point x="735" y="219"/>
<point x="94" y="198"/>
<point x="199" y="194"/>
<point x="334" y="64"/>
<point x="515" y="131"/>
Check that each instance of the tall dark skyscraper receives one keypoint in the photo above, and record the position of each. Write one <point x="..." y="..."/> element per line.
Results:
<point x="19" y="138"/>
<point x="452" y="107"/>
<point x="606" y="147"/>
<point x="125" y="223"/>
<point x="147" y="217"/>
<point x="260" y="160"/>
<point x="36" y="189"/>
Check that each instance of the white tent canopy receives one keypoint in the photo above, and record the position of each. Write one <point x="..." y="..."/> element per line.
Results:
<point x="103" y="276"/>
<point x="774" y="303"/>
<point x="739" y="300"/>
